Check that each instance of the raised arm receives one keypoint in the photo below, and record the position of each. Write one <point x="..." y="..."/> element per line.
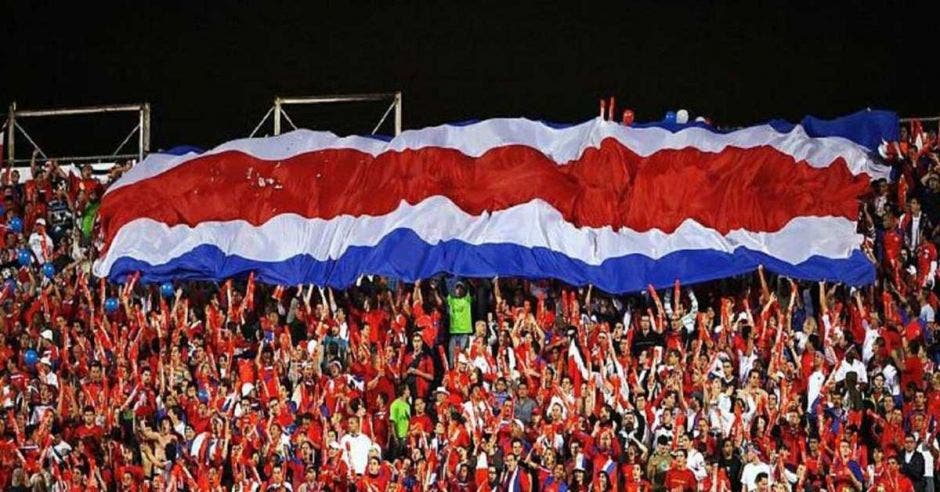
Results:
<point x="823" y="309"/>
<point x="764" y="290"/>
<point x="32" y="162"/>
<point x="587" y="298"/>
<point x="496" y="293"/>
<point x="333" y="306"/>
<point x="417" y="293"/>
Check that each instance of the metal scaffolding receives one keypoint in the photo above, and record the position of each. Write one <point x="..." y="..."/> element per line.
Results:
<point x="142" y="130"/>
<point x="279" y="113"/>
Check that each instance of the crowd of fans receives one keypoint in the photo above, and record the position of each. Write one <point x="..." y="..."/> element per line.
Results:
<point x="752" y="383"/>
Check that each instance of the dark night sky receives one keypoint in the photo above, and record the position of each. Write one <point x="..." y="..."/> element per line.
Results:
<point x="211" y="72"/>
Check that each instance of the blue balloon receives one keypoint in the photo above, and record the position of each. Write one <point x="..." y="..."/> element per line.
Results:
<point x="111" y="304"/>
<point x="24" y="257"/>
<point x="16" y="224"/>
<point x="30" y="357"/>
<point x="670" y="117"/>
<point x="48" y="270"/>
<point x="166" y="289"/>
<point x="203" y="395"/>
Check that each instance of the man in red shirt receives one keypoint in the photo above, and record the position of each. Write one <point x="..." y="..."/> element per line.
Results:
<point x="86" y="184"/>
<point x="679" y="476"/>
<point x="892" y="243"/>
<point x="418" y="368"/>
<point x="277" y="482"/>
<point x="89" y="428"/>
<point x="926" y="261"/>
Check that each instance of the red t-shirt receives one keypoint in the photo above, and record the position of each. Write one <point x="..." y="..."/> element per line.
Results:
<point x="425" y="365"/>
<point x="895" y="482"/>
<point x="722" y="481"/>
<point x="893" y="241"/>
<point x="421" y="422"/>
<point x="683" y="479"/>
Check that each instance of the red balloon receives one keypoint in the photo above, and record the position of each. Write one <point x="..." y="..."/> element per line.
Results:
<point x="628" y="117"/>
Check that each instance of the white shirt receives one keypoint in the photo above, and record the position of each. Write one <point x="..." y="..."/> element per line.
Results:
<point x="721" y="414"/>
<point x="857" y="366"/>
<point x="36" y="241"/>
<point x="928" y="463"/>
<point x="750" y="472"/>
<point x="745" y="363"/>
<point x="926" y="313"/>
<point x="813" y="388"/>
<point x="61" y="451"/>
<point x="868" y="348"/>
<point x="928" y="459"/>
<point x="695" y="462"/>
<point x="356" y="451"/>
<point x="891" y="379"/>
<point x="880" y="202"/>
<point x="52" y="379"/>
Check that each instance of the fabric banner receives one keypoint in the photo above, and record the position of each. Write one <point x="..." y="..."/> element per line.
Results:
<point x="601" y="203"/>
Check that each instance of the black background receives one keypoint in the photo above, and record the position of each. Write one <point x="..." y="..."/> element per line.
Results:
<point x="211" y="69"/>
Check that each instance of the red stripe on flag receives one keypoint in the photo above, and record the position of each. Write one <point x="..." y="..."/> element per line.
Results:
<point x="759" y="189"/>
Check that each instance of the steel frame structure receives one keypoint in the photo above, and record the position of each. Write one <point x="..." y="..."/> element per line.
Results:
<point x="279" y="114"/>
<point x="142" y="129"/>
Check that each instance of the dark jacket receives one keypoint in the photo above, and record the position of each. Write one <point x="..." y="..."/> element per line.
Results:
<point x="914" y="470"/>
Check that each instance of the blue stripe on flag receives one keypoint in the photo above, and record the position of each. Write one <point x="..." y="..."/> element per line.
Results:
<point x="182" y="150"/>
<point x="866" y="128"/>
<point x="404" y="255"/>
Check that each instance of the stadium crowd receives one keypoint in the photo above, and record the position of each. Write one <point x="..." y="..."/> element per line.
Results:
<point x="752" y="383"/>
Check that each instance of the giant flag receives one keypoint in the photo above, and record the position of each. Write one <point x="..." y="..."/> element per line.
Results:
<point x="601" y="203"/>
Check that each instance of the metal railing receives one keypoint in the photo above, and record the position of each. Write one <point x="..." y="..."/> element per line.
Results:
<point x="142" y="130"/>
<point x="277" y="110"/>
<point x="928" y="119"/>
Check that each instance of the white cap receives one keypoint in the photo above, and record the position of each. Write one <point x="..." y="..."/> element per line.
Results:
<point x="47" y="334"/>
<point x="247" y="388"/>
<point x="41" y="222"/>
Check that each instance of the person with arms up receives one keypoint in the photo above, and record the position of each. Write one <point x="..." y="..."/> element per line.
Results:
<point x="460" y="308"/>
